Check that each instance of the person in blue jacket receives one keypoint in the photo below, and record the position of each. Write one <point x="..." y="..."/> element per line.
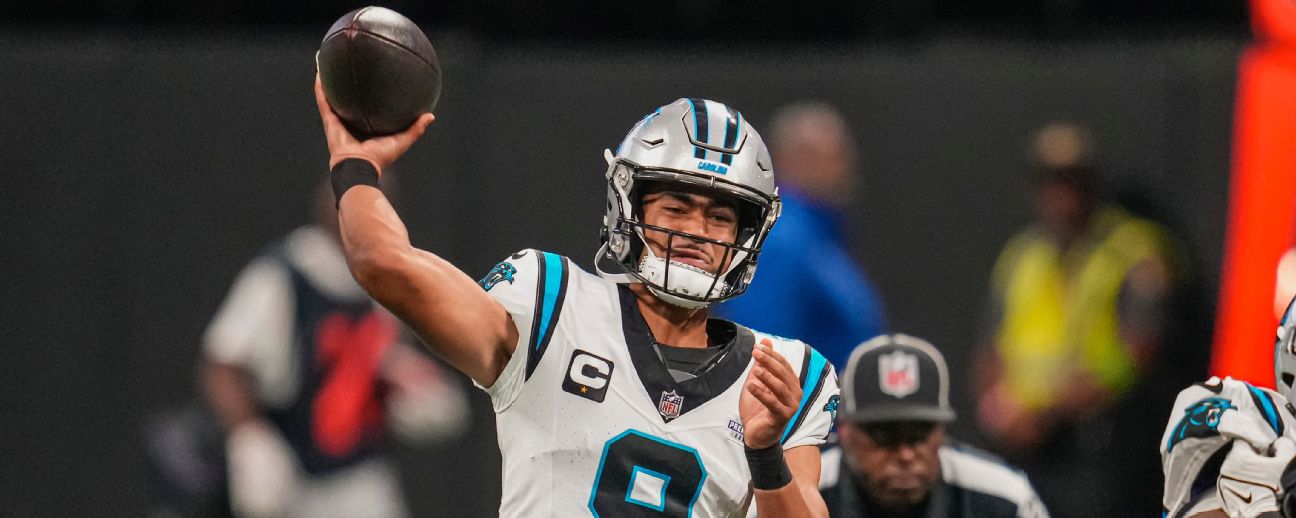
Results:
<point x="809" y="285"/>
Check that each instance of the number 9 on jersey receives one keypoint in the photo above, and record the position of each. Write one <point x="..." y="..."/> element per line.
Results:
<point x="642" y="475"/>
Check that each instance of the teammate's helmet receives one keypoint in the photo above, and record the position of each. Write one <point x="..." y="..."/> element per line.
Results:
<point x="1285" y="353"/>
<point x="698" y="143"/>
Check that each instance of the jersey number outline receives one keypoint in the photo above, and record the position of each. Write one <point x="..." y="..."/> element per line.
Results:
<point x="676" y="468"/>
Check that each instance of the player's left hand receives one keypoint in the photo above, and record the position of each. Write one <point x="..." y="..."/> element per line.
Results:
<point x="770" y="397"/>
<point x="1249" y="481"/>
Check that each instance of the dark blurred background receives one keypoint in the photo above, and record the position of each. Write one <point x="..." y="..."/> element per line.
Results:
<point x="686" y="22"/>
<point x="152" y="148"/>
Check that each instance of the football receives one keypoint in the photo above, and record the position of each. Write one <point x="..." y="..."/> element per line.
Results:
<point x="379" y="71"/>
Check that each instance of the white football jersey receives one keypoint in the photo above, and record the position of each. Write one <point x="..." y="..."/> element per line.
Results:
<point x="1206" y="418"/>
<point x="590" y="421"/>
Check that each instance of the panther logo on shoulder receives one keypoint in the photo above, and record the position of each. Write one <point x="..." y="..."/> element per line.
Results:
<point x="500" y="273"/>
<point x="1201" y="419"/>
<point x="831" y="406"/>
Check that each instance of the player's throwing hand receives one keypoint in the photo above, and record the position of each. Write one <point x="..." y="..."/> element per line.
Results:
<point x="380" y="151"/>
<point x="770" y="397"/>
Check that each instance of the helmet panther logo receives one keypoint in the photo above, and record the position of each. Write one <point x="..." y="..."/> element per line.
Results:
<point x="500" y="273"/>
<point x="1201" y="419"/>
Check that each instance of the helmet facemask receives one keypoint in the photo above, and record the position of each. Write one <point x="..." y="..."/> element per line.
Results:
<point x="703" y="147"/>
<point x="675" y="282"/>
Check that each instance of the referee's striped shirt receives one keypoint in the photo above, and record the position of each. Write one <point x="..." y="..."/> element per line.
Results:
<point x="974" y="484"/>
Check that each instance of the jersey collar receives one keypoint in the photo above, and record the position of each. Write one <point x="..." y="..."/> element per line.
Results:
<point x="657" y="381"/>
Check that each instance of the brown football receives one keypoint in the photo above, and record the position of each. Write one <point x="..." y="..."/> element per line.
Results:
<point x="379" y="71"/>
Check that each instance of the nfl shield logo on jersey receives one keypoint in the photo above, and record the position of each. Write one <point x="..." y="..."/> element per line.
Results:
<point x="670" y="405"/>
<point x="898" y="373"/>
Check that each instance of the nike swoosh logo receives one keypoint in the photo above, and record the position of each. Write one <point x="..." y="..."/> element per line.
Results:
<point x="1246" y="499"/>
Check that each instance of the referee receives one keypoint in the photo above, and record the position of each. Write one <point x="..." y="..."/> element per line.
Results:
<point x="894" y="459"/>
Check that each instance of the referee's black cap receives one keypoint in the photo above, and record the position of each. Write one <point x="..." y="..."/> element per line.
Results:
<point x="896" y="378"/>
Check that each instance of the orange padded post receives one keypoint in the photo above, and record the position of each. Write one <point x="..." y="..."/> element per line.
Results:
<point x="1262" y="199"/>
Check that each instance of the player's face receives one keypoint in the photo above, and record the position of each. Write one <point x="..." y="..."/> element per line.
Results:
<point x="691" y="212"/>
<point x="896" y="461"/>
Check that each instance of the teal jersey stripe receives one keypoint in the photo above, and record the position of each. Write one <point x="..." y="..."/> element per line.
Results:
<point x="551" y="290"/>
<point x="553" y="284"/>
<point x="1266" y="404"/>
<point x="813" y="375"/>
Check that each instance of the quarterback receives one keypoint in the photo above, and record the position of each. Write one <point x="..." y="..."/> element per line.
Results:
<point x="615" y="394"/>
<point x="1228" y="446"/>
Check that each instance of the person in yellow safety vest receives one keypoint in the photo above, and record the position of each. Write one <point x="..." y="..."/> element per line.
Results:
<point x="1079" y="301"/>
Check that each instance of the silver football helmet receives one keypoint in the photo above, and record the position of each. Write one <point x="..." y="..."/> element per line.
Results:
<point x="702" y="144"/>
<point x="1285" y="353"/>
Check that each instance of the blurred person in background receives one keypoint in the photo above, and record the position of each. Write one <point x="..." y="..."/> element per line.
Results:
<point x="307" y="375"/>
<point x="1080" y="304"/>
<point x="895" y="459"/>
<point x="822" y="297"/>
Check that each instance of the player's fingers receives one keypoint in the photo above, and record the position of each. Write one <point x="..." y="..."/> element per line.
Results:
<point x="321" y="102"/>
<point x="771" y="360"/>
<point x="772" y="382"/>
<point x="411" y="134"/>
<point x="788" y="374"/>
<point x="777" y="405"/>
<point x="388" y="149"/>
<point x="766" y="354"/>
<point x="767" y="399"/>
<point x="766" y="363"/>
<point x="318" y="87"/>
<point x="335" y="133"/>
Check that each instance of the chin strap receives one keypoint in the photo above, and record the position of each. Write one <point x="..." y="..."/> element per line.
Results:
<point x="619" y="278"/>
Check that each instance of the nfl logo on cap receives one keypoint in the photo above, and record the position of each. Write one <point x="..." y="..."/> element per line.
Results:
<point x="895" y="378"/>
<point x="898" y="373"/>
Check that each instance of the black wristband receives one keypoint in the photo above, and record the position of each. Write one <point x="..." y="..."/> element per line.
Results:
<point x="350" y="173"/>
<point x="768" y="469"/>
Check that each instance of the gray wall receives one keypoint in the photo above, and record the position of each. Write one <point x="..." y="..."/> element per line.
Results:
<point x="142" y="171"/>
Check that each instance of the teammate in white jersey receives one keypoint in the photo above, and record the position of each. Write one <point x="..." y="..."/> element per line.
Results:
<point x="615" y="394"/>
<point x="1228" y="447"/>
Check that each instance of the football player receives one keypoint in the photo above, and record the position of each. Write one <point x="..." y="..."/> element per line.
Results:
<point x="615" y="394"/>
<point x="1228" y="445"/>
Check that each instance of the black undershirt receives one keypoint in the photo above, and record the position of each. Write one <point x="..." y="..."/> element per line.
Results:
<point x="687" y="359"/>
<point x="689" y="362"/>
<point x="714" y="378"/>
